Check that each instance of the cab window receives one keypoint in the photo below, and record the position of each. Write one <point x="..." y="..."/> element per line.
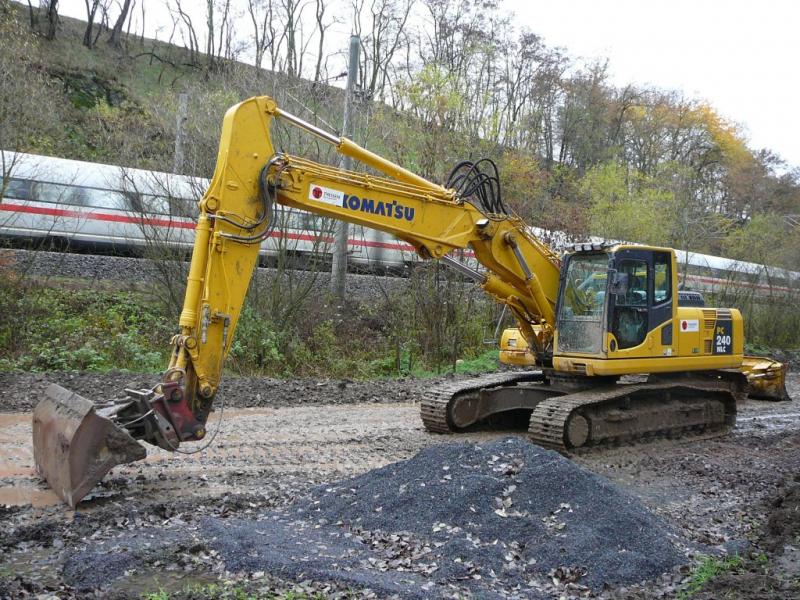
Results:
<point x="629" y="324"/>
<point x="662" y="285"/>
<point x="636" y="294"/>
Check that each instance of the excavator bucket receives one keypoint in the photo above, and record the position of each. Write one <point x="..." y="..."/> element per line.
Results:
<point x="766" y="378"/>
<point x="74" y="446"/>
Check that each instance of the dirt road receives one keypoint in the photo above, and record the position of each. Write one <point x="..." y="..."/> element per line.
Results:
<point x="720" y="493"/>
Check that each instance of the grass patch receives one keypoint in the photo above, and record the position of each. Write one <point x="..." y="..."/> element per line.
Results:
<point x="65" y="327"/>
<point x="707" y="569"/>
<point x="216" y="591"/>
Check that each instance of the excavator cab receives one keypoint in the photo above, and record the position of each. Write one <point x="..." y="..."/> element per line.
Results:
<point x="618" y="314"/>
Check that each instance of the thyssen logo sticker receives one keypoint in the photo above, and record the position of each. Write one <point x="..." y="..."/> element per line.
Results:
<point x="392" y="209"/>
<point x="326" y="195"/>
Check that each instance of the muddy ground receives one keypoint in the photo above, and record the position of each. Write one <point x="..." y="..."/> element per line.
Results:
<point x="738" y="495"/>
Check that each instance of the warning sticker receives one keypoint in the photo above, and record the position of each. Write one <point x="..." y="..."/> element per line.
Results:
<point x="325" y="194"/>
<point x="690" y="325"/>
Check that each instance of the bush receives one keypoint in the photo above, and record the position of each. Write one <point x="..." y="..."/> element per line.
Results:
<point x="47" y="328"/>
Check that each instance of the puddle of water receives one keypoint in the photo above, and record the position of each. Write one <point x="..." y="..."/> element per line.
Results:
<point x="24" y="496"/>
<point x="7" y="470"/>
<point x="140" y="584"/>
<point x="41" y="564"/>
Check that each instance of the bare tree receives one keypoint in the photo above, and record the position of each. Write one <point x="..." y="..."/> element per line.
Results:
<point x="319" y="15"/>
<point x="116" y="32"/>
<point x="91" y="11"/>
<point x="380" y="43"/>
<point x="292" y="15"/>
<point x="130" y="20"/>
<point x="269" y="32"/>
<point x="33" y="15"/>
<point x="103" y="21"/>
<point x="261" y="15"/>
<point x="189" y="34"/>
<point x="141" y="39"/>
<point x="51" y="10"/>
<point x="48" y="8"/>
<point x="210" y="31"/>
<point x="224" y="31"/>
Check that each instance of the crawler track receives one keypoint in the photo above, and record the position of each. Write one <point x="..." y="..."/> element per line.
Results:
<point x="633" y="413"/>
<point x="435" y="404"/>
<point x="606" y="415"/>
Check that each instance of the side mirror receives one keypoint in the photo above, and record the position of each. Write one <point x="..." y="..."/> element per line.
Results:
<point x="619" y="284"/>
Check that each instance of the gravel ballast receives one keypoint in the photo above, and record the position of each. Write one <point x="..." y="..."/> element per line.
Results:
<point x="495" y="520"/>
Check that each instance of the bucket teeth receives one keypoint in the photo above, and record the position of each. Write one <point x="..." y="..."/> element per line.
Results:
<point x="74" y="447"/>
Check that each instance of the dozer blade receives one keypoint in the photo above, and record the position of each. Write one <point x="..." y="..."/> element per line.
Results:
<point x="74" y="447"/>
<point x="766" y="378"/>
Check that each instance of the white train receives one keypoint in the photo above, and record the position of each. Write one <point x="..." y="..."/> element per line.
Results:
<point x="82" y="204"/>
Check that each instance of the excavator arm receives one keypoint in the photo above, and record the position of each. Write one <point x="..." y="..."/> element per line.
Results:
<point x="235" y="216"/>
<point x="76" y="442"/>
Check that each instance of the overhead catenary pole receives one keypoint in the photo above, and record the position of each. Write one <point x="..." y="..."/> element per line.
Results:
<point x="339" y="266"/>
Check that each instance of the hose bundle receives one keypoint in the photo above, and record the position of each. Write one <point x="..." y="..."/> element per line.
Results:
<point x="478" y="183"/>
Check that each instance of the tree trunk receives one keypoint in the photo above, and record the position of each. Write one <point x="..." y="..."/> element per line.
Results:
<point x="210" y="45"/>
<point x="115" y="39"/>
<point x="91" y="10"/>
<point x="34" y="16"/>
<point x="130" y="18"/>
<point x="321" y="28"/>
<point x="52" y="19"/>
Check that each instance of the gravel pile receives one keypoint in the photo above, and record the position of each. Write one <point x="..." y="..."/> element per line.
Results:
<point x="506" y="519"/>
<point x="507" y="510"/>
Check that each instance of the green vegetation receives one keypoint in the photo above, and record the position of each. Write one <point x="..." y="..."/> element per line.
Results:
<point x="62" y="326"/>
<point x="48" y="329"/>
<point x="707" y="569"/>
<point x="215" y="591"/>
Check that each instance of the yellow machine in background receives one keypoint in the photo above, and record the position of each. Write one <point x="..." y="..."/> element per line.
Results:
<point x="599" y="313"/>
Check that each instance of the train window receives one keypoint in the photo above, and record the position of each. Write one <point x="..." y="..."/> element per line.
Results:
<point x="156" y="204"/>
<point x="133" y="201"/>
<point x="95" y="198"/>
<point x="181" y="207"/>
<point x="310" y="222"/>
<point x="18" y="189"/>
<point x="75" y="196"/>
<point x="663" y="277"/>
<point x="51" y="192"/>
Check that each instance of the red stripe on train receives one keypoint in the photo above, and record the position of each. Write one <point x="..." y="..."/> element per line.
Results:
<point x="74" y="214"/>
<point x="95" y="216"/>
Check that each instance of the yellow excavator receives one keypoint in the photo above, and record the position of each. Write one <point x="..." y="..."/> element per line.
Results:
<point x="586" y="322"/>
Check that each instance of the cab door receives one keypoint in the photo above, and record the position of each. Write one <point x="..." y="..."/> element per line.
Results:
<point x="646" y="302"/>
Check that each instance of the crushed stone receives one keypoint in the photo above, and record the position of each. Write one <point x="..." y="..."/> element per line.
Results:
<point x="504" y="519"/>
